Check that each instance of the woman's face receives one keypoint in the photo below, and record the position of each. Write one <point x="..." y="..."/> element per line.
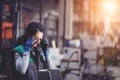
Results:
<point x="38" y="36"/>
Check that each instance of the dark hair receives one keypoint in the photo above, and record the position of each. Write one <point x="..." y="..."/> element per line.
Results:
<point x="31" y="30"/>
<point x="33" y="27"/>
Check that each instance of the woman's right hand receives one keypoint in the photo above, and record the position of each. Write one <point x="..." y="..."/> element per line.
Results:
<point x="28" y="45"/>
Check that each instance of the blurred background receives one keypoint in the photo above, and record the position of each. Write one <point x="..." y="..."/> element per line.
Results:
<point x="84" y="35"/>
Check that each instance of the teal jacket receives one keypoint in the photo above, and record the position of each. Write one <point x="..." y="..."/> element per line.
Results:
<point x="20" y="50"/>
<point x="22" y="59"/>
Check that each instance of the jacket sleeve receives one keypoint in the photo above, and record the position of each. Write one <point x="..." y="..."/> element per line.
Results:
<point x="22" y="62"/>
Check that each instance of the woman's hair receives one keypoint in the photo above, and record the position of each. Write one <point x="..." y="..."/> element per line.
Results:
<point x="31" y="30"/>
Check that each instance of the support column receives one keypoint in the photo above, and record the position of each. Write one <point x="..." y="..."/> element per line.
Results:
<point x="61" y="23"/>
<point x="69" y="19"/>
<point x="65" y="21"/>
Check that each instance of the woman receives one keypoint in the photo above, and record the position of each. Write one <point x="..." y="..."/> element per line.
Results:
<point x="30" y="52"/>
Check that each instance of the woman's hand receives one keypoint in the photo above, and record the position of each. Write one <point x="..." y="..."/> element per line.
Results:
<point x="44" y="44"/>
<point x="28" y="45"/>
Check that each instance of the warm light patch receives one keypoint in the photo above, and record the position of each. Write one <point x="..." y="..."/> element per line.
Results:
<point x="109" y="6"/>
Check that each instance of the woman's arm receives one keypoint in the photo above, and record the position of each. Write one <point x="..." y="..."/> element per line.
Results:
<point x="22" y="62"/>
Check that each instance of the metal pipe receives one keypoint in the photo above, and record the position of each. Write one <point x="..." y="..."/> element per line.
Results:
<point x="1" y="11"/>
<point x="64" y="21"/>
<point x="29" y="8"/>
<point x="16" y="20"/>
<point x="40" y="11"/>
